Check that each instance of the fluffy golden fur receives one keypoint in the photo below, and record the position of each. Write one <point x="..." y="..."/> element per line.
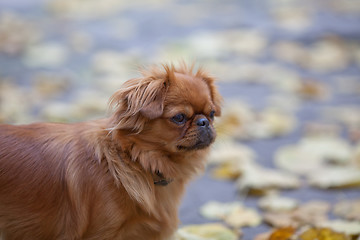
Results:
<point x="99" y="179"/>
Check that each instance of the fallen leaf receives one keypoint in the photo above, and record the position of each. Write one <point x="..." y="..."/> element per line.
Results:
<point x="16" y="33"/>
<point x="243" y="217"/>
<point x="211" y="231"/>
<point x="356" y="155"/>
<point x="260" y="180"/>
<point x="321" y="234"/>
<point x="280" y="219"/>
<point x="348" y="209"/>
<point x="317" y="129"/>
<point x="347" y="84"/>
<point x="16" y="103"/>
<point x="224" y="151"/>
<point x="313" y="90"/>
<point x="308" y="213"/>
<point x="313" y="153"/>
<point x="240" y="121"/>
<point x="282" y="233"/>
<point x="350" y="228"/>
<point x="335" y="177"/>
<point x="114" y="63"/>
<point x="235" y="117"/>
<point x="327" y="55"/>
<point x="227" y="171"/>
<point x="50" y="85"/>
<point x="289" y="51"/>
<point x="272" y="123"/>
<point x="244" y="42"/>
<point x="81" y="41"/>
<point x="216" y="210"/>
<point x="230" y="159"/>
<point x="286" y="102"/>
<point x="311" y="212"/>
<point x="292" y="18"/>
<point x="276" y="203"/>
<point x="263" y="236"/>
<point x="49" y="54"/>
<point x="348" y="115"/>
<point x="233" y="213"/>
<point x="89" y="10"/>
<point x="60" y="112"/>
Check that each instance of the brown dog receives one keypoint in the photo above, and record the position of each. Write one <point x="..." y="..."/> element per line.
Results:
<point x="115" y="178"/>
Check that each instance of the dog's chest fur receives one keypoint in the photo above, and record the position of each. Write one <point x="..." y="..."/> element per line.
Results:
<point x="150" y="209"/>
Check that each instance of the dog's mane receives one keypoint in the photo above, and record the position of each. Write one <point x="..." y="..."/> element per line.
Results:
<point x="128" y="103"/>
<point x="137" y="93"/>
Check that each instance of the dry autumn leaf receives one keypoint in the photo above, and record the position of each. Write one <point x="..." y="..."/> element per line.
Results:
<point x="272" y="123"/>
<point x="47" y="55"/>
<point x="345" y="114"/>
<point x="262" y="236"/>
<point x="348" y="209"/>
<point x="318" y="129"/>
<point x="47" y="84"/>
<point x="308" y="213"/>
<point x="280" y="219"/>
<point x="313" y="90"/>
<point x="15" y="103"/>
<point x="211" y="231"/>
<point x="321" y="234"/>
<point x="16" y="33"/>
<point x="335" y="177"/>
<point x="313" y="153"/>
<point x="276" y="203"/>
<point x="235" y="117"/>
<point x="306" y="233"/>
<point x="240" y="121"/>
<point x="311" y="212"/>
<point x="325" y="55"/>
<point x="350" y="228"/>
<point x="243" y="217"/>
<point x="282" y="233"/>
<point x="233" y="213"/>
<point x="230" y="159"/>
<point x="216" y="210"/>
<point x="225" y="151"/>
<point x="256" y="179"/>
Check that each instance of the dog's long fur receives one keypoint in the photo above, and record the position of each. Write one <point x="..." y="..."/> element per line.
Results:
<point x="95" y="180"/>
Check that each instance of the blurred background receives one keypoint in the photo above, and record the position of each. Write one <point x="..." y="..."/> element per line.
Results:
<point x="289" y="71"/>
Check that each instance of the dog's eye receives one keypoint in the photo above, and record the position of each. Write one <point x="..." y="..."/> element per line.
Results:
<point x="212" y="114"/>
<point x="179" y="118"/>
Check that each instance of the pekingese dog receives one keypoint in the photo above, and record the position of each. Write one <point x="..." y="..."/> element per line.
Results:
<point x="116" y="178"/>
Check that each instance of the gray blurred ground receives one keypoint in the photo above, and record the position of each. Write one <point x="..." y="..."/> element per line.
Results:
<point x="56" y="54"/>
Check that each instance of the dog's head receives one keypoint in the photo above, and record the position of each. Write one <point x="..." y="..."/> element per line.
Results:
<point x="169" y="108"/>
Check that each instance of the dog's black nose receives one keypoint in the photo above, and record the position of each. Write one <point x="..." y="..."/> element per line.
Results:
<point x="203" y="122"/>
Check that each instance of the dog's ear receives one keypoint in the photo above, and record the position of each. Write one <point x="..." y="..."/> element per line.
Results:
<point x="139" y="100"/>
<point x="153" y="99"/>
<point x="215" y="95"/>
<point x="144" y="95"/>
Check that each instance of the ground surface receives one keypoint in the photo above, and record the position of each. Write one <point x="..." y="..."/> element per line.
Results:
<point x="56" y="54"/>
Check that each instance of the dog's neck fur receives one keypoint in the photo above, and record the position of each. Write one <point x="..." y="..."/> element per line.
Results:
<point x="169" y="164"/>
<point x="133" y="167"/>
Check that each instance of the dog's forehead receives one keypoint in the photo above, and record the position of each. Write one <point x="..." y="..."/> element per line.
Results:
<point x="188" y="89"/>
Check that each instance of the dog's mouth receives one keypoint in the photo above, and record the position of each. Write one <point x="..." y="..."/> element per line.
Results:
<point x="197" y="146"/>
<point x="203" y="141"/>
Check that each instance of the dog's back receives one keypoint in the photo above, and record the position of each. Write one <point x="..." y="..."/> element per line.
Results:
<point x="37" y="199"/>
<point x="32" y="181"/>
<point x="53" y="185"/>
